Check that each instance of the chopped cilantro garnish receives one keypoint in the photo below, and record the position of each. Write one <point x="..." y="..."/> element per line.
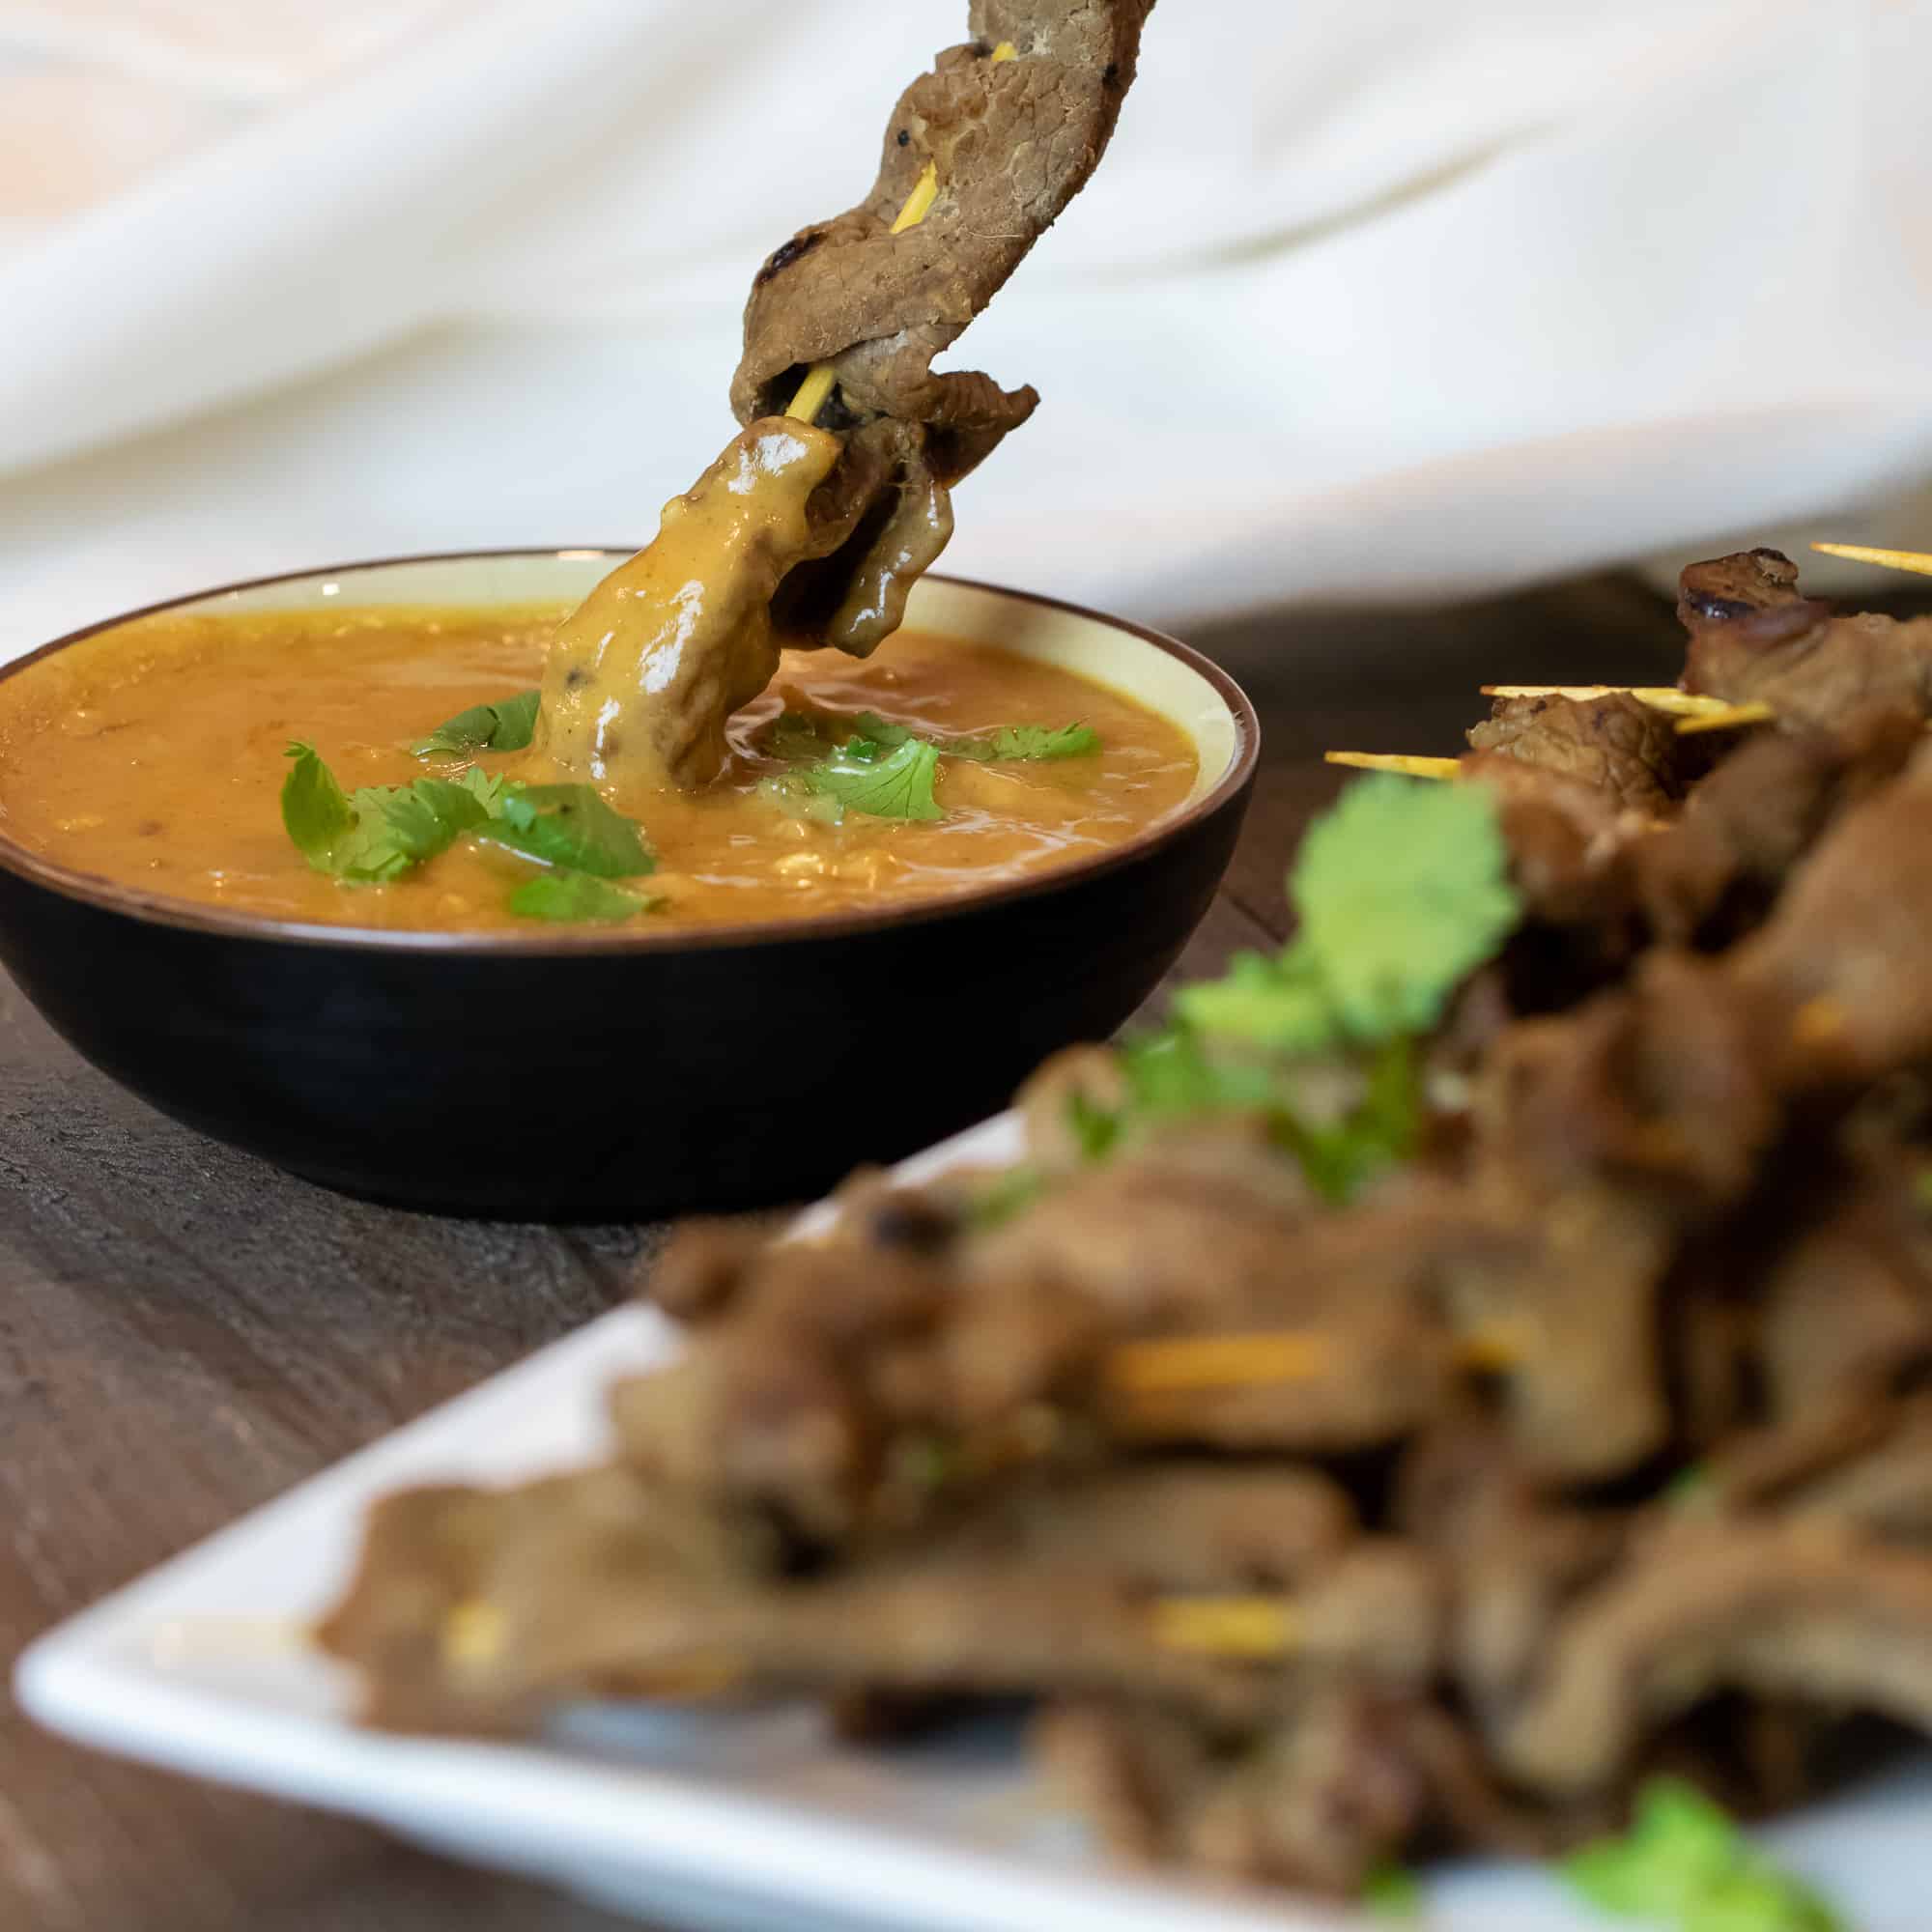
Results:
<point x="793" y="794"/>
<point x="569" y="826"/>
<point x="373" y="836"/>
<point x="887" y="770"/>
<point x="378" y="833"/>
<point x="1693" y="1488"/>
<point x="1392" y="1891"/>
<point x="563" y="896"/>
<point x="799" y="740"/>
<point x="1010" y="743"/>
<point x="1031" y="743"/>
<point x="1685" y="1866"/>
<point x="1401" y="889"/>
<point x="1095" y="1129"/>
<point x="882" y="771"/>
<point x="1276" y="1002"/>
<point x="864" y="776"/>
<point x="503" y="727"/>
<point x="1009" y="1192"/>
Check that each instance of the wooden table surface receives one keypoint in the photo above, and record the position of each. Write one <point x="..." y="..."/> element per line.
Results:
<point x="184" y="1332"/>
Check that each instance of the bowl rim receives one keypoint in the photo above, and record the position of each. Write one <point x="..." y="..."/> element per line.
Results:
<point x="158" y="909"/>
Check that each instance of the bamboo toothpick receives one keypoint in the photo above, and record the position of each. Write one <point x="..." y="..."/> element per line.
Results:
<point x="815" y="391"/>
<point x="1252" y="1628"/>
<point x="1917" y="562"/>
<point x="1189" y="1362"/>
<point x="1755" y="712"/>
<point x="1396" y="761"/>
<point x="1664" y="698"/>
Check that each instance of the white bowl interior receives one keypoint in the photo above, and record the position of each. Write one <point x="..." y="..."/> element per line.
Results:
<point x="1092" y="647"/>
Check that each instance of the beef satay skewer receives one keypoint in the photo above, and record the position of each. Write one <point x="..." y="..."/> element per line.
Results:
<point x="815" y="391"/>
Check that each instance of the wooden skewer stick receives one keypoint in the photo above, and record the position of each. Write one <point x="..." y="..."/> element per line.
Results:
<point x="1397" y="761"/>
<point x="815" y="391"/>
<point x="1253" y="1627"/>
<point x="1658" y="697"/>
<point x="1756" y="712"/>
<point x="1187" y="1364"/>
<point x="1917" y="560"/>
<point x="1180" y="1363"/>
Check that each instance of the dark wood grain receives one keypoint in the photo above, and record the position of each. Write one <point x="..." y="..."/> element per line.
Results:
<point x="184" y="1332"/>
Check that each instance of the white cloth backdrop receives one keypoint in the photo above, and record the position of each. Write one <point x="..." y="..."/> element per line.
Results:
<point x="1372" y="297"/>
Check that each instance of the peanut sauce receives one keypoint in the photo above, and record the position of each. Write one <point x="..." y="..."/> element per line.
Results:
<point x="646" y="672"/>
<point x="153" y="754"/>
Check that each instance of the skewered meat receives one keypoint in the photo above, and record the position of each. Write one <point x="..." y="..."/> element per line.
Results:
<point x="1753" y="638"/>
<point x="804" y="535"/>
<point x="1010" y="143"/>
<point x="1765" y="1606"/>
<point x="1590" y="1432"/>
<point x="1615" y="745"/>
<point x="1848" y="941"/>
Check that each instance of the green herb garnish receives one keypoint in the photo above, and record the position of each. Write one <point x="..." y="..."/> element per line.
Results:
<point x="1009" y="1192"/>
<point x="376" y="834"/>
<point x="562" y="896"/>
<point x="1031" y="744"/>
<point x="569" y="826"/>
<point x="887" y="770"/>
<point x="1685" y="1866"/>
<point x="1009" y="744"/>
<point x="1392" y="1891"/>
<point x="503" y="727"/>
<point x="1401" y="891"/>
<point x="865" y="775"/>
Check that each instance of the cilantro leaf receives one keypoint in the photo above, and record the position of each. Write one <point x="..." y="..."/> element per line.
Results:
<point x="1032" y="743"/>
<point x="577" y="897"/>
<point x="865" y="777"/>
<point x="505" y="726"/>
<point x="798" y="739"/>
<point x="794" y="794"/>
<point x="569" y="826"/>
<point x="1392" y="1891"/>
<point x="1402" y="890"/>
<point x="1008" y="1193"/>
<point x="376" y="833"/>
<point x="1685" y="1864"/>
<point x="1279" y="1003"/>
<point x="315" y="809"/>
<point x="1008" y="744"/>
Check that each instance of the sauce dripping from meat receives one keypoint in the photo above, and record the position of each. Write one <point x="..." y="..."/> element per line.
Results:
<point x="642" y="677"/>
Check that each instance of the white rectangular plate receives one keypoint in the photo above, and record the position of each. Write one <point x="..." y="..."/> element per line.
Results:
<point x="759" y="1824"/>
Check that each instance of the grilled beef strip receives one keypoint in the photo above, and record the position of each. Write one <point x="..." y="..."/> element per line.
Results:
<point x="1011" y="142"/>
<point x="1755" y="638"/>
<point x="1713" y="875"/>
<point x="1616" y="745"/>
<point x="1779" y="1607"/>
<point x="1846" y="947"/>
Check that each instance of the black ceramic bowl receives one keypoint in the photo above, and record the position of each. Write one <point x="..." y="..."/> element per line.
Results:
<point x="598" y="1075"/>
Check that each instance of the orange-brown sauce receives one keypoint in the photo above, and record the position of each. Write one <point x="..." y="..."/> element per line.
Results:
<point x="154" y="755"/>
